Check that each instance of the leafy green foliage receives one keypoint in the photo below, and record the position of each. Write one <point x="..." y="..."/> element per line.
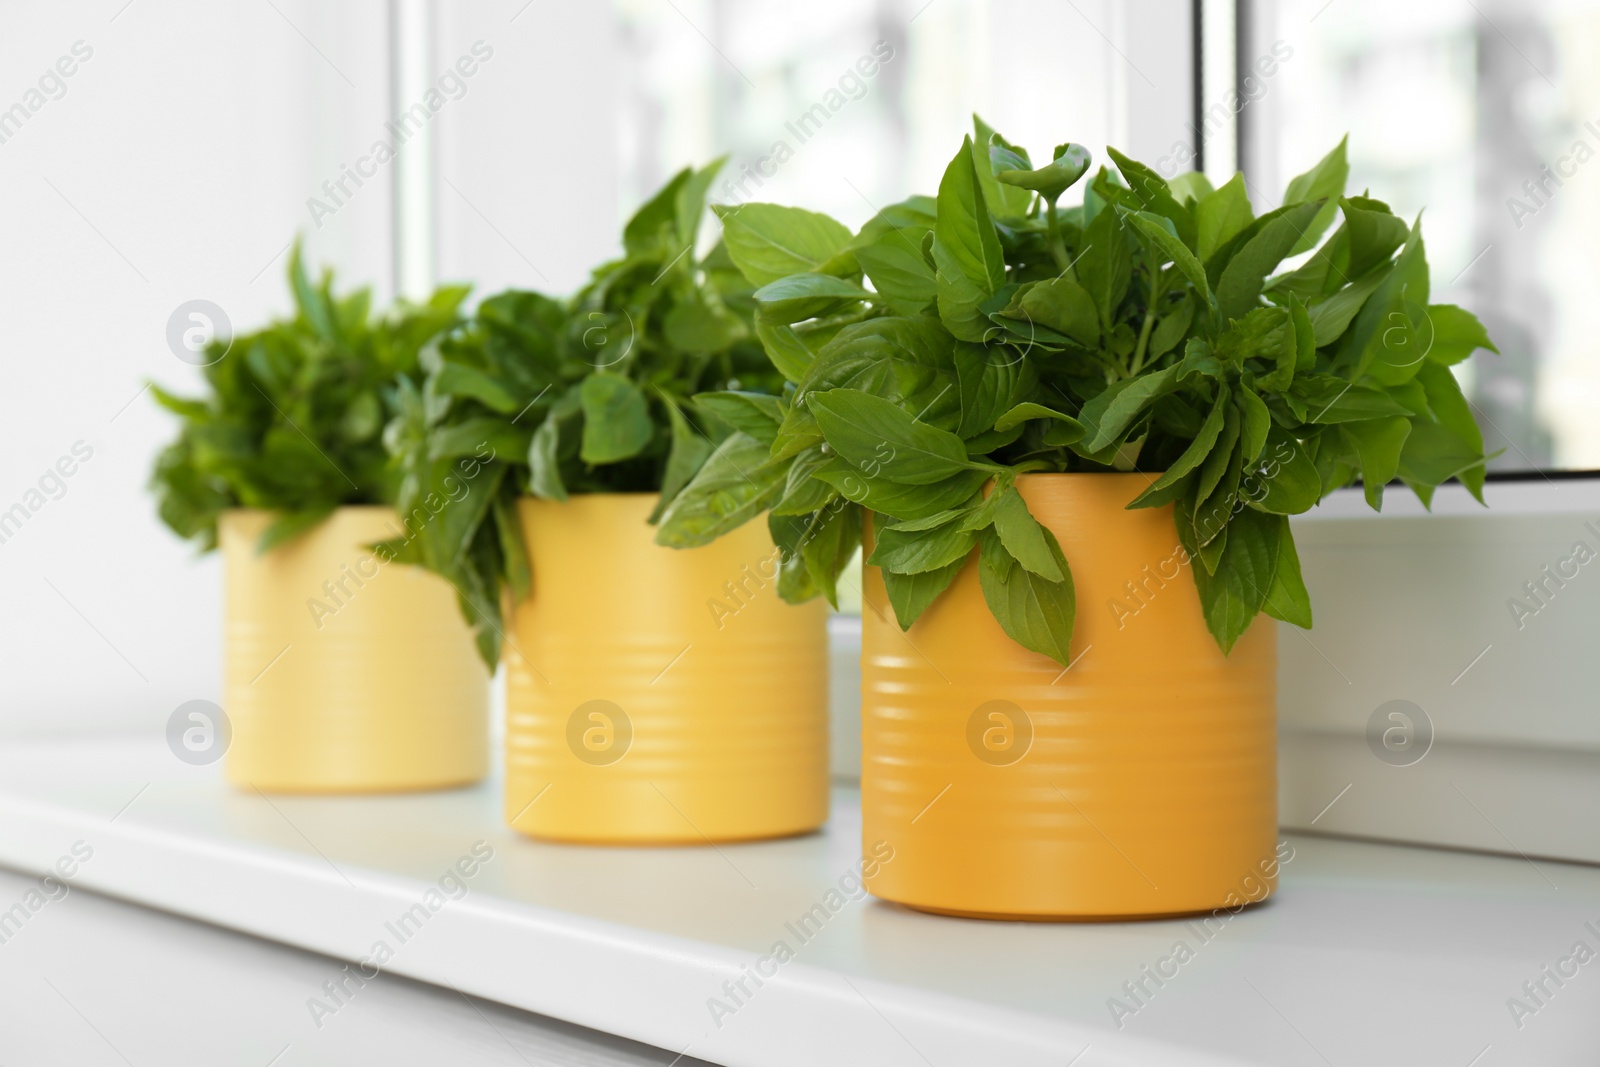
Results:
<point x="597" y="393"/>
<point x="1152" y="328"/>
<point x="293" y="418"/>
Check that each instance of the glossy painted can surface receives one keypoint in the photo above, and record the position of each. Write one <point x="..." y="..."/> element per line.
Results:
<point x="343" y="673"/>
<point x="658" y="695"/>
<point x="1141" y="781"/>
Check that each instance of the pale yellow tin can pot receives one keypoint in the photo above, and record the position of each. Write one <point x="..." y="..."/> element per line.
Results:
<point x="345" y="673"/>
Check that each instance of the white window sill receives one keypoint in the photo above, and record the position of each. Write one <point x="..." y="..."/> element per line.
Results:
<point x="1371" y="954"/>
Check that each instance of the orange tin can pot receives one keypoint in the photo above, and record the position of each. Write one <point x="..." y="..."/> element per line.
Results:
<point x="1140" y="781"/>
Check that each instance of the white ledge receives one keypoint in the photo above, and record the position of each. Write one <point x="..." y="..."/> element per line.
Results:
<point x="1370" y="954"/>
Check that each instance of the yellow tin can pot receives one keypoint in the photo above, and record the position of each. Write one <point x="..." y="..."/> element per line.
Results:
<point x="345" y="673"/>
<point x="659" y="695"/>
<point x="1139" y="782"/>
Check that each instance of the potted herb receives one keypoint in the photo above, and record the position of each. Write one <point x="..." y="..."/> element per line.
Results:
<point x="342" y="673"/>
<point x="652" y="696"/>
<point x="1071" y="438"/>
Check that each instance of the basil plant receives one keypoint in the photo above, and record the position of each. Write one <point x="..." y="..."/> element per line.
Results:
<point x="958" y="342"/>
<point x="294" y="414"/>
<point x="593" y="394"/>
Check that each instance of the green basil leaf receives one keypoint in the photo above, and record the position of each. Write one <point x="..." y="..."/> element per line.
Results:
<point x="288" y="525"/>
<point x="452" y="529"/>
<point x="657" y="218"/>
<point x="1005" y="201"/>
<point x="769" y="241"/>
<point x="508" y="528"/>
<point x="1298" y="348"/>
<point x="1206" y="540"/>
<point x="1214" y="470"/>
<point x="981" y="514"/>
<point x="362" y="419"/>
<point x="1035" y="613"/>
<point x="803" y="296"/>
<point x="931" y="522"/>
<point x="1026" y="412"/>
<point x="971" y="267"/>
<point x="1171" y="249"/>
<point x="1239" y="287"/>
<point x="1024" y="538"/>
<point x="993" y="440"/>
<point x="1108" y="415"/>
<point x="1284" y="481"/>
<point x="1287" y="600"/>
<point x="1450" y="407"/>
<point x="544" y="461"/>
<point x="734" y="486"/>
<point x="1456" y="334"/>
<point x="1330" y="400"/>
<point x="913" y="213"/>
<point x="1331" y="317"/>
<point x="1221" y="216"/>
<point x="312" y="302"/>
<point x="1433" y="454"/>
<point x="1190" y="188"/>
<point x="1377" y="442"/>
<point x="477" y="596"/>
<point x="882" y="439"/>
<point x="468" y="437"/>
<point x="1105" y="266"/>
<point x="796" y="583"/>
<point x="1372" y="233"/>
<point x="910" y="594"/>
<point x="1157" y="198"/>
<point x="1232" y="597"/>
<point x="690" y="202"/>
<point x="1173" y="491"/>
<point x="1258" y="333"/>
<point x="804" y="494"/>
<point x="918" y="551"/>
<point x="786" y="348"/>
<point x="186" y="409"/>
<point x="457" y="379"/>
<point x="1257" y="421"/>
<point x="1198" y="360"/>
<point x="756" y="414"/>
<point x="1063" y="305"/>
<point x="906" y="361"/>
<point x="697" y="325"/>
<point x="1225" y="500"/>
<point x="898" y="500"/>
<point x="1323" y="183"/>
<point x="987" y="378"/>
<point x="688" y="453"/>
<point x="616" y="419"/>
<point x="1070" y="163"/>
<point x="1192" y="457"/>
<point x="831" y="540"/>
<point x="1367" y="346"/>
<point x="901" y="276"/>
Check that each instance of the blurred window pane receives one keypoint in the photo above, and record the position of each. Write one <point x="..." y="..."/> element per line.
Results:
<point x="707" y="77"/>
<point x="1460" y="109"/>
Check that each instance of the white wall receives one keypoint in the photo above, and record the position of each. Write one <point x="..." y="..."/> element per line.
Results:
<point x="175" y="166"/>
<point x="188" y="145"/>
